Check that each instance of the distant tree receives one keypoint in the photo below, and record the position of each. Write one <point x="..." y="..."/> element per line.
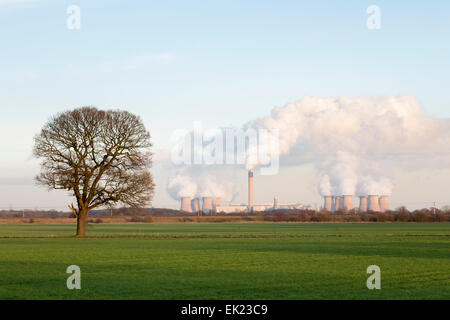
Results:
<point x="101" y="157"/>
<point x="402" y="209"/>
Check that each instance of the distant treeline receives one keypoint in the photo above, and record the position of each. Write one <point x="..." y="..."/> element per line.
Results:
<point x="94" y="213"/>
<point x="285" y="215"/>
<point x="400" y="215"/>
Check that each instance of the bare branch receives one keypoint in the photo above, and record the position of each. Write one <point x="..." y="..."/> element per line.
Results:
<point x="102" y="157"/>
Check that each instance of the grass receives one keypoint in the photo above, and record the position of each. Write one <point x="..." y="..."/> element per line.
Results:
<point x="227" y="261"/>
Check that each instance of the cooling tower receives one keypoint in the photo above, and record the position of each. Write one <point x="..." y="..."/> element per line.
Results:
<point x="362" y="204"/>
<point x="195" y="205"/>
<point x="250" y="189"/>
<point x="347" y="203"/>
<point x="384" y="203"/>
<point x="328" y="203"/>
<point x="373" y="204"/>
<point x="217" y="202"/>
<point x="275" y="203"/>
<point x="341" y="203"/>
<point x="186" y="204"/>
<point x="207" y="204"/>
<point x="337" y="203"/>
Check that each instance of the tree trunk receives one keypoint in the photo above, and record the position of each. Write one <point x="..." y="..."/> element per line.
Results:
<point x="81" y="223"/>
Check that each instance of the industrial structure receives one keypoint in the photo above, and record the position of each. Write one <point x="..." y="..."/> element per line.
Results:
<point x="328" y="203"/>
<point x="207" y="206"/>
<point x="347" y="203"/>
<point x="362" y="204"/>
<point x="195" y="204"/>
<point x="344" y="203"/>
<point x="250" y="190"/>
<point x="373" y="203"/>
<point x="384" y="203"/>
<point x="331" y="203"/>
<point x="211" y="205"/>
<point x="337" y="203"/>
<point x="186" y="204"/>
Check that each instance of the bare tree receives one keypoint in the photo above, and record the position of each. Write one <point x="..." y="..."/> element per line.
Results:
<point x="101" y="157"/>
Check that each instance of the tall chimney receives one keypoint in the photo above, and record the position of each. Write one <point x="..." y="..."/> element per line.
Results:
<point x="186" y="204"/>
<point x="373" y="204"/>
<point x="207" y="204"/>
<point x="384" y="203"/>
<point x="275" y="203"/>
<point x="362" y="204"/>
<point x="195" y="205"/>
<point x="337" y="203"/>
<point x="250" y="190"/>
<point x="327" y="203"/>
<point x="347" y="203"/>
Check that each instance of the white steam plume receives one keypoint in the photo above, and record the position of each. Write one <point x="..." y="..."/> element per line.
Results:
<point x="181" y="186"/>
<point x="196" y="181"/>
<point x="356" y="142"/>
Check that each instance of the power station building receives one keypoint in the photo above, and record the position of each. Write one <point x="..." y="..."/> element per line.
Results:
<point x="344" y="203"/>
<point x="376" y="203"/>
<point x="210" y="205"/>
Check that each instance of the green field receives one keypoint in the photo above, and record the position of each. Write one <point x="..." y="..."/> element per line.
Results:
<point x="226" y="261"/>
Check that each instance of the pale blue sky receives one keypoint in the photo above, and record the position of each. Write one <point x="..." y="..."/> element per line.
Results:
<point x="222" y="62"/>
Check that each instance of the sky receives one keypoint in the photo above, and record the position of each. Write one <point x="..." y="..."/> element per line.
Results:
<point x="220" y="62"/>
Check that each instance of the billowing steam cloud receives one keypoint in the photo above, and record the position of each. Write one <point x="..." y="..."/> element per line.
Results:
<point x="212" y="187"/>
<point x="200" y="182"/>
<point x="374" y="186"/>
<point x="356" y="142"/>
<point x="182" y="186"/>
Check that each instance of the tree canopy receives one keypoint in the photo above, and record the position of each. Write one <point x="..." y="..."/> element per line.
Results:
<point x="102" y="157"/>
